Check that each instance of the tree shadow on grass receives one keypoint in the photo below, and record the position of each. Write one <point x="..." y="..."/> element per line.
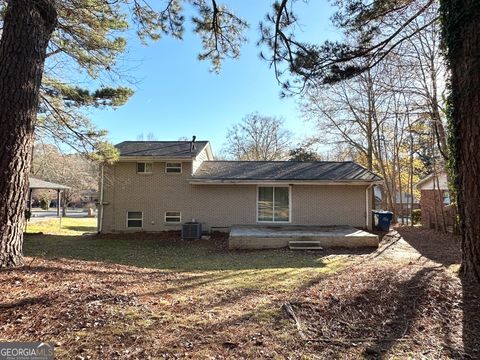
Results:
<point x="25" y="302"/>
<point x="443" y="248"/>
<point x="382" y="311"/>
<point x="80" y="228"/>
<point x="91" y="313"/>
<point x="166" y="254"/>
<point x="33" y="268"/>
<point x="406" y="321"/>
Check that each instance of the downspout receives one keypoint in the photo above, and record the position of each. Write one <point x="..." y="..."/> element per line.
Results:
<point x="100" y="209"/>
<point x="368" y="221"/>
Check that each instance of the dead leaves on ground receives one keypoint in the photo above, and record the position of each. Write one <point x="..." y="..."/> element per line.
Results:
<point x="378" y="307"/>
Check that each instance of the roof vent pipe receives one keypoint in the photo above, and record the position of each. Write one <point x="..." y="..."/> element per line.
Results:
<point x="192" y="143"/>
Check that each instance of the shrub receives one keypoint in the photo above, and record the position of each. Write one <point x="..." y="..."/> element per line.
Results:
<point x="416" y="216"/>
<point x="44" y="204"/>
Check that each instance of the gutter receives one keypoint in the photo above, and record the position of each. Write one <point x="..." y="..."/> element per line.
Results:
<point x="368" y="219"/>
<point x="273" y="182"/>
<point x="100" y="214"/>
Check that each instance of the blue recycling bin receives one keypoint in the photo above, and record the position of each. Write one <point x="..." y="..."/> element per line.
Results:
<point x="382" y="219"/>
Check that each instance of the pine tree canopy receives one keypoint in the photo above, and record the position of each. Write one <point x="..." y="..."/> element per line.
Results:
<point x="376" y="27"/>
<point x="89" y="38"/>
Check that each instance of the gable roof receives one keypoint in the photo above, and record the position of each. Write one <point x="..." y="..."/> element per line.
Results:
<point x="167" y="149"/>
<point x="283" y="170"/>
<point x="425" y="182"/>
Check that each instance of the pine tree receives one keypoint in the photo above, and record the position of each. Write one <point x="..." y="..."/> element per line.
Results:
<point x="76" y="37"/>
<point x="381" y="26"/>
<point x="84" y="32"/>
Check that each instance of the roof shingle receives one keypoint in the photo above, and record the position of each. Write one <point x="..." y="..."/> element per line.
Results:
<point x="284" y="170"/>
<point x="172" y="149"/>
<point x="42" y="184"/>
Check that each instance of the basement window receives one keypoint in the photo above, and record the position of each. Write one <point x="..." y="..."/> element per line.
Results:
<point x="134" y="219"/>
<point x="173" y="217"/>
<point x="144" y="167"/>
<point x="173" y="167"/>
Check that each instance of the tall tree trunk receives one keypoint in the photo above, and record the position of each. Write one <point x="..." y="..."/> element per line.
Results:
<point x="435" y="192"/>
<point x="26" y="31"/>
<point x="461" y="34"/>
<point x="371" y="109"/>
<point x="438" y="127"/>
<point x="400" y="192"/>
<point x="410" y="168"/>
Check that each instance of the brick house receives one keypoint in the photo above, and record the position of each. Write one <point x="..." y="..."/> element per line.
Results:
<point x="159" y="185"/>
<point x="435" y="191"/>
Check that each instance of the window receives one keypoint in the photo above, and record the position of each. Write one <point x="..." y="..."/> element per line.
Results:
<point x="446" y="198"/>
<point x="144" y="168"/>
<point x="134" y="219"/>
<point x="173" y="217"/>
<point x="173" y="167"/>
<point x="273" y="204"/>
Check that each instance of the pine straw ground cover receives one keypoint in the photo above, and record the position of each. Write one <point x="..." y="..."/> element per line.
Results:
<point x="395" y="303"/>
<point x="198" y="300"/>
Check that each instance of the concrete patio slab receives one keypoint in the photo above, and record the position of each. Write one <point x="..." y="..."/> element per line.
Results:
<point x="278" y="236"/>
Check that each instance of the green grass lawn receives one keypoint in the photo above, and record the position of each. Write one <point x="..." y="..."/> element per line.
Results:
<point x="168" y="254"/>
<point x="177" y="290"/>
<point x="63" y="226"/>
<point x="197" y="299"/>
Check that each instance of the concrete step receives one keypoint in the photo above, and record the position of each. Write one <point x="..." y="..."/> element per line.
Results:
<point x="274" y="237"/>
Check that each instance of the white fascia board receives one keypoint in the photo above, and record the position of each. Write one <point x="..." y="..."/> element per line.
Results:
<point x="209" y="151"/>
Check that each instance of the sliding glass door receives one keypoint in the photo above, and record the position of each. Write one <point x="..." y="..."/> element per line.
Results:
<point x="273" y="204"/>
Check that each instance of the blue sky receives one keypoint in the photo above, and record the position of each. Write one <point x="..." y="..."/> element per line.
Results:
<point x="177" y="96"/>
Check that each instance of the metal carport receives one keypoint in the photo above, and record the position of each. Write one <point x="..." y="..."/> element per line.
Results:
<point x="35" y="183"/>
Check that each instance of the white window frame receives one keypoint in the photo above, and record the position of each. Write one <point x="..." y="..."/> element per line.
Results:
<point x="289" y="204"/>
<point x="145" y="167"/>
<point x="173" y="167"/>
<point x="134" y="227"/>
<point x="172" y="216"/>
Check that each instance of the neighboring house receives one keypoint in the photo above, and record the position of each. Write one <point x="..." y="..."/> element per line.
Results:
<point x="158" y="185"/>
<point x="403" y="202"/>
<point x="88" y="196"/>
<point x="435" y="191"/>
